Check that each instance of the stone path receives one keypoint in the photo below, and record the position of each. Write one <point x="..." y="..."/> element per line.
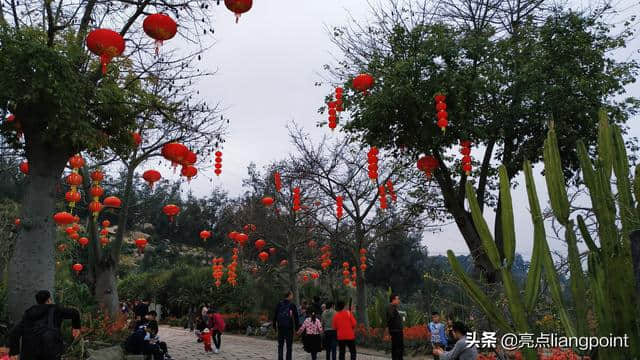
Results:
<point x="183" y="346"/>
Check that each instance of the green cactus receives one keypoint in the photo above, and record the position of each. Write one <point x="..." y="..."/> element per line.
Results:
<point x="610" y="278"/>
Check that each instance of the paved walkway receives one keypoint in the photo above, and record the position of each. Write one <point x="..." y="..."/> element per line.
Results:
<point x="183" y="346"/>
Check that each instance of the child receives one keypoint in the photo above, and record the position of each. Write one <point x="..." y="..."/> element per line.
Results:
<point x="206" y="340"/>
<point x="4" y="349"/>
<point x="312" y="339"/>
<point x="437" y="329"/>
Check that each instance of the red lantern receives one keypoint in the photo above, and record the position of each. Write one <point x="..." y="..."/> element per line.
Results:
<point x="333" y="118"/>
<point x="112" y="201"/>
<point x="140" y="244"/>
<point x="363" y="82"/>
<point x="76" y="162"/>
<point x="137" y="139"/>
<point x="174" y="152"/>
<point x="383" y="197"/>
<point x="96" y="192"/>
<point x="104" y="241"/>
<point x="232" y="235"/>
<point x="106" y="223"/>
<point x="70" y="230"/>
<point x="467" y="169"/>
<point x="171" y="211"/>
<point x="267" y="201"/>
<point x="296" y="199"/>
<point x="314" y="276"/>
<point x="83" y="241"/>
<point x="204" y="235"/>
<point x="24" y="167"/>
<point x="160" y="27"/>
<point x="305" y="278"/>
<point x="272" y="251"/>
<point x="277" y="181"/>
<point x="72" y="197"/>
<point x="76" y="219"/>
<point x="107" y="44"/>
<point x="77" y="268"/>
<point x="74" y="179"/>
<point x="97" y="176"/>
<point x="242" y="238"/>
<point x="260" y="244"/>
<point x="151" y="176"/>
<point x="249" y="228"/>
<point x="17" y="222"/>
<point x="63" y="218"/>
<point x="104" y="232"/>
<point x="238" y="7"/>
<point x="263" y="256"/>
<point x="95" y="207"/>
<point x="339" y="207"/>
<point x="189" y="172"/>
<point x="427" y="164"/>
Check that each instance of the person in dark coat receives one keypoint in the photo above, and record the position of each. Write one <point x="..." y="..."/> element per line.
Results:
<point x="38" y="335"/>
<point x="141" y="310"/>
<point x="394" y="323"/>
<point x="286" y="321"/>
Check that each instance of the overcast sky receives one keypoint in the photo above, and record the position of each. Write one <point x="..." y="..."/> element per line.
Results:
<point x="267" y="66"/>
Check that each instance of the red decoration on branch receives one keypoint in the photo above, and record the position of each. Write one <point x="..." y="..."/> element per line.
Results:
<point x="238" y="7"/>
<point x="363" y="82"/>
<point x="151" y="176"/>
<point x="372" y="159"/>
<point x="141" y="243"/>
<point x="339" y="103"/>
<point x="107" y="44"/>
<point x="83" y="241"/>
<point x="77" y="268"/>
<point x="112" y="201"/>
<point x="441" y="112"/>
<point x="333" y="116"/>
<point x="171" y="211"/>
<point x="264" y="256"/>
<point x="383" y="197"/>
<point x="218" y="164"/>
<point x="260" y="244"/>
<point x="24" y="167"/>
<point x="427" y="164"/>
<point x="277" y="181"/>
<point x="218" y="270"/>
<point x="160" y="27"/>
<point x="189" y="171"/>
<point x="204" y="235"/>
<point x="137" y="139"/>
<point x="465" y="150"/>
<point x="339" y="207"/>
<point x="174" y="152"/>
<point x="296" y="199"/>
<point x="267" y="201"/>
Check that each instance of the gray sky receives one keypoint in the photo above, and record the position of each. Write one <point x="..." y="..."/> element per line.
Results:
<point x="267" y="66"/>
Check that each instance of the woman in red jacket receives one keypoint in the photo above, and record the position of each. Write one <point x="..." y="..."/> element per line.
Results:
<point x="344" y="323"/>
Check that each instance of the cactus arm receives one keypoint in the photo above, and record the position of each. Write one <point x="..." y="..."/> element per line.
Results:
<point x="506" y="214"/>
<point x="554" y="178"/>
<point x="534" y="275"/>
<point x="577" y="282"/>
<point x="625" y="200"/>
<point x="489" y="307"/>
<point x="546" y="259"/>
<point x="605" y="145"/>
<point x="483" y="229"/>
<point x="586" y="236"/>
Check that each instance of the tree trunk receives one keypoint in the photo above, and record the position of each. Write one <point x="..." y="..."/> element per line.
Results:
<point x="293" y="274"/>
<point x="361" y="300"/>
<point x="32" y="266"/>
<point x="106" y="289"/>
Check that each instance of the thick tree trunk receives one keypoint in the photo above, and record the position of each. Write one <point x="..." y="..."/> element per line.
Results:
<point x="361" y="300"/>
<point x="106" y="289"/>
<point x="32" y="266"/>
<point x="293" y="275"/>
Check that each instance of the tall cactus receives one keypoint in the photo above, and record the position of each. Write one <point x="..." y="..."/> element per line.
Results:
<point x="610" y="276"/>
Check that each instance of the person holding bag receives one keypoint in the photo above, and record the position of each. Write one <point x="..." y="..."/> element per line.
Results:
<point x="312" y="338"/>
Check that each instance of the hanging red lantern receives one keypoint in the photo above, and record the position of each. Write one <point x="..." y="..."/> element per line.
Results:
<point x="159" y="27"/>
<point x="242" y="238"/>
<point x="112" y="201"/>
<point x="83" y="241"/>
<point x="467" y="169"/>
<point x="267" y="201"/>
<point x="441" y="111"/>
<point x="218" y="165"/>
<point x="277" y="181"/>
<point x="204" y="235"/>
<point x="427" y="164"/>
<point x="96" y="192"/>
<point x="104" y="232"/>
<point x="171" y="211"/>
<point x="63" y="218"/>
<point x="174" y="152"/>
<point x="190" y="158"/>
<point x="95" y="207"/>
<point x="97" y="176"/>
<point x="106" y="223"/>
<point x="137" y="139"/>
<point x="76" y="219"/>
<point x="296" y="199"/>
<point x="260" y="244"/>
<point x="24" y="167"/>
<point x="17" y="222"/>
<point x="104" y="241"/>
<point x="232" y="235"/>
<point x="107" y="44"/>
<point x="141" y="243"/>
<point x="72" y="197"/>
<point x="189" y="172"/>
<point x="363" y="82"/>
<point x="238" y="7"/>
<point x="465" y="150"/>
<point x="315" y="276"/>
<point x="151" y="176"/>
<point x="383" y="197"/>
<point x="76" y="162"/>
<point x="264" y="256"/>
<point x="305" y="278"/>
<point x="69" y="230"/>
<point x="339" y="207"/>
<point x="249" y="228"/>
<point x="272" y="251"/>
<point x="339" y="94"/>
<point x="74" y="179"/>
<point x="77" y="268"/>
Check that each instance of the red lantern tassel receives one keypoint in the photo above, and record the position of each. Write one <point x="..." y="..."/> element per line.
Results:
<point x="104" y="60"/>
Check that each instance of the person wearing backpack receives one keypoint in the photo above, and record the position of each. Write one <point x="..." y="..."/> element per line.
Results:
<point x="39" y="331"/>
<point x="285" y="321"/>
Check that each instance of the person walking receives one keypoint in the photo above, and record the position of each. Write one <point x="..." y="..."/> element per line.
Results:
<point x="38" y="335"/>
<point x="394" y="323"/>
<point x="312" y="339"/>
<point x="285" y="321"/>
<point x="345" y="324"/>
<point x="460" y="351"/>
<point x="330" y="335"/>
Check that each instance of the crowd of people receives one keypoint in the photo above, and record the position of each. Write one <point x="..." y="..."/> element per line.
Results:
<point x="324" y="328"/>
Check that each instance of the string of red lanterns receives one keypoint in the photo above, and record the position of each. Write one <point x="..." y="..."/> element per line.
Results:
<point x="339" y="103"/>
<point x="339" y="207"/>
<point x="218" y="164"/>
<point x="296" y="199"/>
<point x="465" y="150"/>
<point x="277" y="181"/>
<point x="383" y="197"/>
<point x="363" y="259"/>
<point x="372" y="159"/>
<point x="218" y="270"/>
<point x="333" y="117"/>
<point x="441" y="112"/>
